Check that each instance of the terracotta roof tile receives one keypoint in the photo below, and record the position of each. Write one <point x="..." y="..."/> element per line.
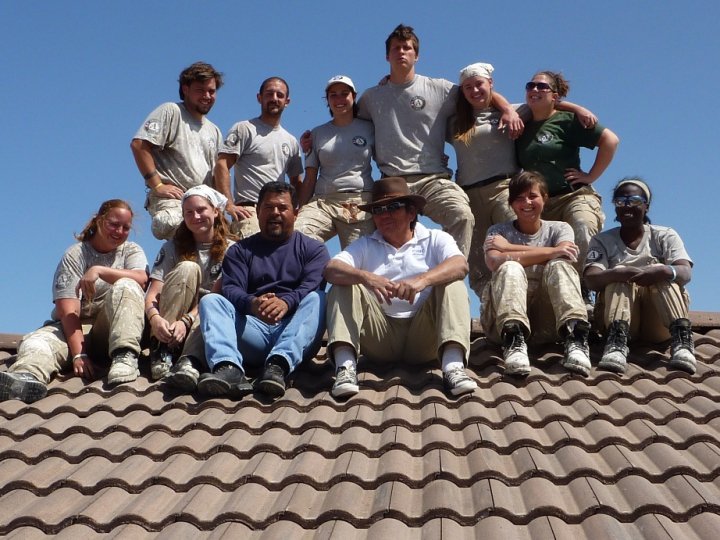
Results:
<point x="550" y="456"/>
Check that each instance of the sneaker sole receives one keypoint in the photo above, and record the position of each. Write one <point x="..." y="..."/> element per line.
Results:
<point x="517" y="370"/>
<point x="271" y="388"/>
<point x="26" y="391"/>
<point x="687" y="367"/>
<point x="576" y="368"/>
<point x="615" y="367"/>
<point x="123" y="378"/>
<point x="344" y="390"/>
<point x="182" y="381"/>
<point x="463" y="389"/>
<point x="213" y="387"/>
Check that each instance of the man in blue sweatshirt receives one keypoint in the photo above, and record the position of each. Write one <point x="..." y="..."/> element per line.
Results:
<point x="270" y="314"/>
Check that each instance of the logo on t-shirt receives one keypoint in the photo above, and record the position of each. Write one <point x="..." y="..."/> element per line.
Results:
<point x="417" y="103"/>
<point x="593" y="255"/>
<point x="358" y="140"/>
<point x="62" y="281"/>
<point x="231" y="140"/>
<point x="544" y="137"/>
<point x="152" y="126"/>
<point x="285" y="149"/>
<point x="160" y="256"/>
<point x="215" y="270"/>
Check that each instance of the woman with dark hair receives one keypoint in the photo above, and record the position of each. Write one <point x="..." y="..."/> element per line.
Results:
<point x="338" y="173"/>
<point x="534" y="286"/>
<point x="640" y="271"/>
<point x="98" y="295"/>
<point x="186" y="268"/>
<point x="486" y="158"/>
<point x="550" y="144"/>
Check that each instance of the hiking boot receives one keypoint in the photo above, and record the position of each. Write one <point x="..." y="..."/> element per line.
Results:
<point x="682" y="349"/>
<point x="124" y="367"/>
<point x="161" y="361"/>
<point x="226" y="380"/>
<point x="272" y="381"/>
<point x="457" y="382"/>
<point x="21" y="385"/>
<point x="577" y="351"/>
<point x="183" y="375"/>
<point x="515" y="352"/>
<point x="346" y="382"/>
<point x="614" y="356"/>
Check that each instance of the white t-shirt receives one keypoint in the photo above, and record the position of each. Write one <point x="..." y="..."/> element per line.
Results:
<point x="264" y="154"/>
<point x="427" y="249"/>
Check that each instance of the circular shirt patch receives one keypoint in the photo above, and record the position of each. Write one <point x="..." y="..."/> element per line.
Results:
<point x="417" y="103"/>
<point x="215" y="270"/>
<point x="160" y="256"/>
<point x="152" y="126"/>
<point x="543" y="137"/>
<point x="62" y="281"/>
<point x="359" y="141"/>
<point x="285" y="149"/>
<point x="593" y="255"/>
<point x="231" y="140"/>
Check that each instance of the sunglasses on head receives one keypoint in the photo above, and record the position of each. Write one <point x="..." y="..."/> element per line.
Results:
<point x="629" y="200"/>
<point x="377" y="210"/>
<point x="541" y="86"/>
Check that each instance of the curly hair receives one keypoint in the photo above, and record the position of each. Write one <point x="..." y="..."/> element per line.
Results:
<point x="403" y="33"/>
<point x="199" y="71"/>
<point x="560" y="85"/>
<point x="91" y="227"/>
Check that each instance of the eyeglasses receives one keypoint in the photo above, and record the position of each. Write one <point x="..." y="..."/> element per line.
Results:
<point x="629" y="200"/>
<point x="540" y="86"/>
<point x="377" y="210"/>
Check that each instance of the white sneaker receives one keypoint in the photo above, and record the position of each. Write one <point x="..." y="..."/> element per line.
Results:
<point x="346" y="382"/>
<point x="124" y="367"/>
<point x="457" y="382"/>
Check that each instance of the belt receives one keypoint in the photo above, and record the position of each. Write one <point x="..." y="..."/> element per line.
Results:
<point x="245" y="203"/>
<point x="487" y="181"/>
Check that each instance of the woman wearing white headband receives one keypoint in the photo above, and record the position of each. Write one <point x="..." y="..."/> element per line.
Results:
<point x="338" y="171"/>
<point x="640" y="272"/>
<point x="486" y="159"/>
<point x="187" y="267"/>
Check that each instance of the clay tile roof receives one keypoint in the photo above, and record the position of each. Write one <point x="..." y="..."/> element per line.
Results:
<point x="551" y="456"/>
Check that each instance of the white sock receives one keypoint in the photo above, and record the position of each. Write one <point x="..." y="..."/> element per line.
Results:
<point x="453" y="357"/>
<point x="344" y="356"/>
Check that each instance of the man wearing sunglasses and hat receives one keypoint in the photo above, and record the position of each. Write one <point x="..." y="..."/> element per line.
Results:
<point x="398" y="294"/>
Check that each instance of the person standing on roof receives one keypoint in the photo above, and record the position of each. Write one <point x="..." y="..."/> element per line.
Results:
<point x="176" y="146"/>
<point x="260" y="151"/>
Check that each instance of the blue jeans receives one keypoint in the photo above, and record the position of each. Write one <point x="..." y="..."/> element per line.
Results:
<point x="244" y="339"/>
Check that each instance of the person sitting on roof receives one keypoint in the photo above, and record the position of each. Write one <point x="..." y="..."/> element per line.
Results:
<point x="640" y="271"/>
<point x="271" y="313"/>
<point x="186" y="268"/>
<point x="398" y="294"/>
<point x="98" y="295"/>
<point x="534" y="286"/>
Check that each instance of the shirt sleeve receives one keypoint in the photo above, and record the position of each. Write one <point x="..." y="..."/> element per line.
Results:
<point x="68" y="273"/>
<point x="314" y="260"/>
<point x="135" y="258"/>
<point x="313" y="159"/>
<point x="163" y="262"/>
<point x="294" y="164"/>
<point x="597" y="254"/>
<point x="160" y="127"/>
<point x="235" y="140"/>
<point x="235" y="269"/>
<point x="673" y="247"/>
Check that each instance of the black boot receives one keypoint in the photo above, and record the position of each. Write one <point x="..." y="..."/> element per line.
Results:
<point x="682" y="350"/>
<point x="614" y="356"/>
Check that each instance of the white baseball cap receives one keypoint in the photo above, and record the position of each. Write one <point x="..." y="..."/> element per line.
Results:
<point x="344" y="79"/>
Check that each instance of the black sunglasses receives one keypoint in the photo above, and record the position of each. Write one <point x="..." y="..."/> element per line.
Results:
<point x="377" y="210"/>
<point x="541" y="86"/>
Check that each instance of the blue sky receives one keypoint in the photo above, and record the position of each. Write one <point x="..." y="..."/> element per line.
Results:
<point x="80" y="77"/>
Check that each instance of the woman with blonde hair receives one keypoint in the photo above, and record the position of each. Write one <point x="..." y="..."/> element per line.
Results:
<point x="98" y="315"/>
<point x="186" y="268"/>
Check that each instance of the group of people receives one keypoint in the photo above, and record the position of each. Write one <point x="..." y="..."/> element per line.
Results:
<point x="228" y="297"/>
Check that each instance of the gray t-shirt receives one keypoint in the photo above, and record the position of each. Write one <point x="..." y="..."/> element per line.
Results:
<point x="659" y="245"/>
<point x="264" y="154"/>
<point x="490" y="153"/>
<point x="78" y="258"/>
<point x="410" y="124"/>
<point x="342" y="154"/>
<point x="184" y="149"/>
<point x="551" y="234"/>
<point x="167" y="259"/>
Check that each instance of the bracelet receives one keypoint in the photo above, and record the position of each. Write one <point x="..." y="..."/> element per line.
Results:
<point x="153" y="315"/>
<point x="187" y="321"/>
<point x="148" y="176"/>
<point x="674" y="272"/>
<point x="79" y="355"/>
